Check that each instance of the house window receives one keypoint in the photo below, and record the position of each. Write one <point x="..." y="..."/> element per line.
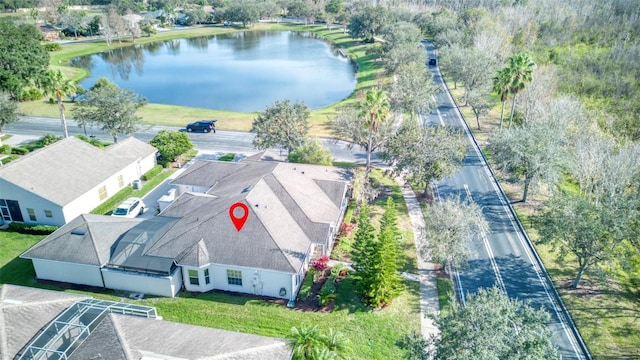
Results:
<point x="120" y="181"/>
<point x="32" y="214"/>
<point x="193" y="277"/>
<point x="102" y="192"/>
<point x="206" y="276"/>
<point x="48" y="213"/>
<point x="234" y="277"/>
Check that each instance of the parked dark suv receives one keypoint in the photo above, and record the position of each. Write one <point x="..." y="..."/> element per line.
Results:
<point x="202" y="125"/>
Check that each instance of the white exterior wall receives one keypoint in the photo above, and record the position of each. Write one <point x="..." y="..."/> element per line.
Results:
<point x="91" y="199"/>
<point x="27" y="199"/>
<point x="81" y="205"/>
<point x="267" y="282"/>
<point x="81" y="274"/>
<point x="167" y="286"/>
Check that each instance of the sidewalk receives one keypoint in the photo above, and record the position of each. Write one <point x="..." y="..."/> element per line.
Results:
<point x="428" y="284"/>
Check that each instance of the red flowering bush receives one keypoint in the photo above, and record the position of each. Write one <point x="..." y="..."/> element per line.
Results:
<point x="321" y="263"/>
<point x="346" y="229"/>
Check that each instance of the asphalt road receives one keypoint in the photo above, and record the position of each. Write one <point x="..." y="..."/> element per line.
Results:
<point x="221" y="142"/>
<point x="503" y="256"/>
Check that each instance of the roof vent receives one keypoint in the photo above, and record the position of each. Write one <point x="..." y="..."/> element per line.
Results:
<point x="79" y="231"/>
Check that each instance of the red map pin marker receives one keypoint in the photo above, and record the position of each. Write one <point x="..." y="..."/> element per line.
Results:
<point x="238" y="222"/>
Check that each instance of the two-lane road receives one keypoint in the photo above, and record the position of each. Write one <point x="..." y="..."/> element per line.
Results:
<point x="503" y="256"/>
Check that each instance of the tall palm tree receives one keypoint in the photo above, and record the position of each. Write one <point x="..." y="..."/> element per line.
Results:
<point x="501" y="87"/>
<point x="57" y="84"/>
<point x="374" y="110"/>
<point x="520" y="74"/>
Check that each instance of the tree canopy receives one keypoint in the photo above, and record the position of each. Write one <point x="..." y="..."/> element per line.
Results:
<point x="491" y="326"/>
<point x="111" y="109"/>
<point x="171" y="144"/>
<point x="425" y="154"/>
<point x="23" y="60"/>
<point x="283" y="125"/>
<point x="311" y="152"/>
<point x="8" y="110"/>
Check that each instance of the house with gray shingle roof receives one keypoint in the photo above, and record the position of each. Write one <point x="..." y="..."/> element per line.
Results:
<point x="294" y="212"/>
<point x="57" y="183"/>
<point x="37" y="323"/>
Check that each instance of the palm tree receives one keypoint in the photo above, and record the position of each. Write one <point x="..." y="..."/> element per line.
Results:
<point x="374" y="110"/>
<point x="520" y="74"/>
<point x="304" y="342"/>
<point x="57" y="84"/>
<point x="501" y="87"/>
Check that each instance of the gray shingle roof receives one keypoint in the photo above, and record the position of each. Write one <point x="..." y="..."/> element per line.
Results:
<point x="137" y="337"/>
<point x="24" y="311"/>
<point x="76" y="166"/>
<point x="86" y="239"/>
<point x="291" y="206"/>
<point x="289" y="210"/>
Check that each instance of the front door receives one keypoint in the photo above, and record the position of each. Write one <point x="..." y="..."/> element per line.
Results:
<point x="14" y="210"/>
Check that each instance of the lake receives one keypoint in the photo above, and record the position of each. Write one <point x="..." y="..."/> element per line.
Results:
<point x="243" y="71"/>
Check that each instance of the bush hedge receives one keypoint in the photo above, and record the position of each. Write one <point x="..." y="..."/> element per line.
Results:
<point x="51" y="46"/>
<point x="152" y="173"/>
<point x="19" y="151"/>
<point x="5" y="149"/>
<point x="106" y="207"/>
<point x="32" y="229"/>
<point x="8" y="159"/>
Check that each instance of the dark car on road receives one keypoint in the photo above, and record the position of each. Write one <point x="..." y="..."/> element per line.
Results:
<point x="432" y="62"/>
<point x="202" y="125"/>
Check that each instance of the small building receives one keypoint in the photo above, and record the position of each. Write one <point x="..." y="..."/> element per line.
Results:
<point x="55" y="184"/>
<point x="49" y="32"/>
<point x="293" y="214"/>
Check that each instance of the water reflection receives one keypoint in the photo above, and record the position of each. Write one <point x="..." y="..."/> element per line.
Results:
<point x="244" y="71"/>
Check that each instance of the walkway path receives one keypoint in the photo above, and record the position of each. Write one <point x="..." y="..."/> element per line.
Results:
<point x="428" y="283"/>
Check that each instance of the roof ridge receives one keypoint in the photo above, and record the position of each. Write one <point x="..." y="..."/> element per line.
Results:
<point x="253" y="350"/>
<point x="93" y="240"/>
<point x="121" y="337"/>
<point x="39" y="150"/>
<point x="273" y="239"/>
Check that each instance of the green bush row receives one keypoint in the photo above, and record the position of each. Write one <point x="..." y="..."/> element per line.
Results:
<point x="227" y="157"/>
<point x="9" y="159"/>
<point x="305" y="288"/>
<point x="19" y="151"/>
<point x="152" y="173"/>
<point x="32" y="229"/>
<point x="106" y="207"/>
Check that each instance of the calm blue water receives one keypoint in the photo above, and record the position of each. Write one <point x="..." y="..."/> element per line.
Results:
<point x="245" y="71"/>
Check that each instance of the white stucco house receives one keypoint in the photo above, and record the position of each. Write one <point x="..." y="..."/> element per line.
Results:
<point x="55" y="184"/>
<point x="294" y="213"/>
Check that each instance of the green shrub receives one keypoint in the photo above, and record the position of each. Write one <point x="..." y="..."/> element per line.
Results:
<point x="227" y="157"/>
<point x="5" y="149"/>
<point x="106" y="207"/>
<point x="19" y="151"/>
<point x="32" y="229"/>
<point x="9" y="159"/>
<point x="51" y="46"/>
<point x="164" y="163"/>
<point x="49" y="139"/>
<point x="152" y="173"/>
<point x="30" y="95"/>
<point x="305" y="288"/>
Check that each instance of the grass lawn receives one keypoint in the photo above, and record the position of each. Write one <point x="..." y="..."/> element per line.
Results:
<point x="372" y="334"/>
<point x="169" y="115"/>
<point x="606" y="314"/>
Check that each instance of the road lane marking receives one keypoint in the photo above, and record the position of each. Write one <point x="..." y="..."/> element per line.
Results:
<point x="527" y="250"/>
<point x="492" y="257"/>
